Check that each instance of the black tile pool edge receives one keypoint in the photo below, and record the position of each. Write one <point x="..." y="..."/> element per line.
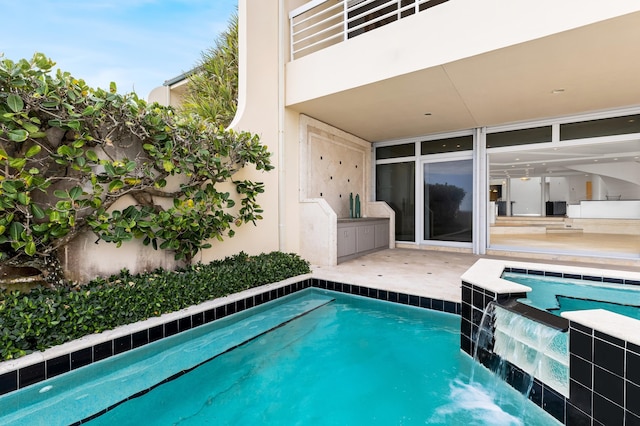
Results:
<point x="604" y="371"/>
<point x="31" y="374"/>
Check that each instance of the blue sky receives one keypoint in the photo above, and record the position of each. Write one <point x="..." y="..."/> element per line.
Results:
<point x="136" y="43"/>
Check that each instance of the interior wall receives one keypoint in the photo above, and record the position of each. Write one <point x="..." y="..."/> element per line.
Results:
<point x="626" y="190"/>
<point x="525" y="195"/>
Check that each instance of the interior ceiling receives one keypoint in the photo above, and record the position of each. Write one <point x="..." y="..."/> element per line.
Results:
<point x="561" y="160"/>
<point x="597" y="67"/>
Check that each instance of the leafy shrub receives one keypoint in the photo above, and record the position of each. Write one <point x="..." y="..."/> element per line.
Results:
<point x="47" y="317"/>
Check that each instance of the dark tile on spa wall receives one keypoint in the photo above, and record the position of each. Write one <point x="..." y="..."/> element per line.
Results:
<point x="466" y="294"/>
<point x="478" y="299"/>
<point x="465" y="344"/>
<point x="465" y="328"/>
<point x="121" y="344"/>
<point x="609" y="339"/>
<point x="8" y="382"/>
<point x="608" y="385"/>
<point x="280" y="292"/>
<point x="580" y="344"/>
<point x="140" y="338"/>
<point x="553" y="403"/>
<point x="581" y="370"/>
<point x="606" y="411"/>
<point x="608" y="356"/>
<point x="633" y="367"/>
<point x="581" y="328"/>
<point x="613" y="280"/>
<point x="576" y="417"/>
<point x="157" y="332"/>
<point x="103" y="350"/>
<point x="58" y="365"/>
<point x="355" y="289"/>
<point x="631" y="419"/>
<point x="535" y="394"/>
<point x="535" y="272"/>
<point x="632" y="393"/>
<point x="393" y="296"/>
<point x="403" y="298"/>
<point x="581" y="396"/>
<point x="518" y="270"/>
<point x="632" y="282"/>
<point x="32" y="374"/>
<point x="81" y="357"/>
<point x="553" y="274"/>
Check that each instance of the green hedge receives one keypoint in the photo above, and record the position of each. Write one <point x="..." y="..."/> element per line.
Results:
<point x="44" y="317"/>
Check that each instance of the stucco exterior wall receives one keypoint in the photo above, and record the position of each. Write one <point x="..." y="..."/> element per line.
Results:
<point x="257" y="113"/>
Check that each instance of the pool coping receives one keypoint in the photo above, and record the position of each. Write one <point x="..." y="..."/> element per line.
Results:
<point x="38" y="366"/>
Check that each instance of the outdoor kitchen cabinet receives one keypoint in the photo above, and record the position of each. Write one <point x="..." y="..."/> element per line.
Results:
<point x="357" y="237"/>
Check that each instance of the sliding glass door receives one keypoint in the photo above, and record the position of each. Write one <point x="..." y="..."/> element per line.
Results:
<point x="448" y="201"/>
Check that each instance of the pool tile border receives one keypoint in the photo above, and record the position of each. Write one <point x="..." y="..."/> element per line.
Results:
<point x="572" y="275"/>
<point x="28" y="374"/>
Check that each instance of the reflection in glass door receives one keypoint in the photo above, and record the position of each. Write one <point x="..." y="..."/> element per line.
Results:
<point x="448" y="201"/>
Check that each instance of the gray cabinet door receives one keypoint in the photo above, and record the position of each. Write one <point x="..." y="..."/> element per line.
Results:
<point x="346" y="241"/>
<point x="365" y="239"/>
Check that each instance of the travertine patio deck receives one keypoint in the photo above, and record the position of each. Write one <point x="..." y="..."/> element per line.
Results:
<point x="428" y="273"/>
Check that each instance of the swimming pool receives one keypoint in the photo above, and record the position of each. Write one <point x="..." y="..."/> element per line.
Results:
<point x="557" y="294"/>
<point x="316" y="357"/>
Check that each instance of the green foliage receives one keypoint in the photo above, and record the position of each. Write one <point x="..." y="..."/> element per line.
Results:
<point x="47" y="317"/>
<point x="212" y="90"/>
<point x="68" y="152"/>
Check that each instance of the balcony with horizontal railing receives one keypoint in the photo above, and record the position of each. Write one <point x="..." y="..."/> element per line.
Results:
<point x="322" y="23"/>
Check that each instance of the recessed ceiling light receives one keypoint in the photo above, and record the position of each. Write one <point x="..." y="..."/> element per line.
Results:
<point x="517" y="159"/>
<point x="557" y="91"/>
<point x="595" y="161"/>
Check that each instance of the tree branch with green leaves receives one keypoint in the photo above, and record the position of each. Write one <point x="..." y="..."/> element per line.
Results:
<point x="68" y="152"/>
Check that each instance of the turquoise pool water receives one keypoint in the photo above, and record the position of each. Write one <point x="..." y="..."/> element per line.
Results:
<point x="558" y="295"/>
<point x="336" y="360"/>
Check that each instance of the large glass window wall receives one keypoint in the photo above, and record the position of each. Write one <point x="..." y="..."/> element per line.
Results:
<point x="546" y="183"/>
